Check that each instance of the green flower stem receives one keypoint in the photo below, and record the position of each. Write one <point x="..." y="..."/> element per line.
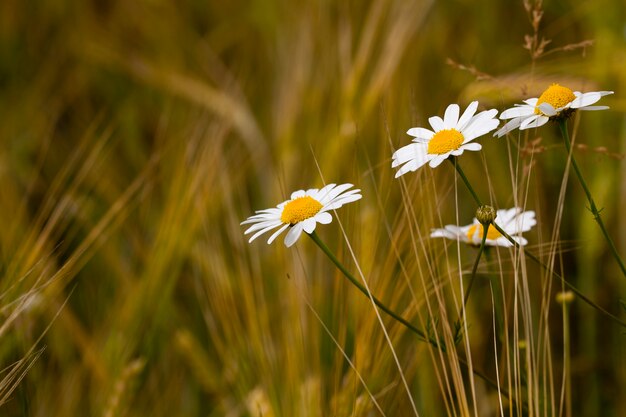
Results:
<point x="558" y="276"/>
<point x="536" y="259"/>
<point x="475" y="267"/>
<point x="592" y="204"/>
<point x="458" y="326"/>
<point x="408" y="325"/>
<point x="465" y="180"/>
<point x="361" y="288"/>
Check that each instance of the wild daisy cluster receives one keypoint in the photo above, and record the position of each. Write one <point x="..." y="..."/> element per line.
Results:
<point x="447" y="137"/>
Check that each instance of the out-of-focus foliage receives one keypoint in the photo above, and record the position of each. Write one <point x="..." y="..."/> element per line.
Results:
<point x="136" y="135"/>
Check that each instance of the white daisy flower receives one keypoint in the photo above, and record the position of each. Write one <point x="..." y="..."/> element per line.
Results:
<point x="452" y="135"/>
<point x="513" y="221"/>
<point x="556" y="102"/>
<point x="302" y="212"/>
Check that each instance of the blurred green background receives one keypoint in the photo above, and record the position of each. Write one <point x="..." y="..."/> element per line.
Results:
<point x="136" y="135"/>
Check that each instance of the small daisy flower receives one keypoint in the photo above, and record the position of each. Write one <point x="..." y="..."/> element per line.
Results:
<point x="555" y="103"/>
<point x="302" y="212"/>
<point x="513" y="221"/>
<point x="451" y="136"/>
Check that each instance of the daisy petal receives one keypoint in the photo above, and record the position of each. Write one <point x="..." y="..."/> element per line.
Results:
<point x="444" y="233"/>
<point x="525" y="221"/>
<point x="437" y="123"/>
<point x="438" y="159"/>
<point x="257" y="218"/>
<point x="472" y="146"/>
<point x="267" y="225"/>
<point x="587" y="108"/>
<point x="502" y="241"/>
<point x="276" y="233"/>
<point x="412" y="165"/>
<point x="420" y="134"/>
<point x="511" y="125"/>
<point x="547" y="109"/>
<point x="262" y="231"/>
<point x="331" y="194"/>
<point x="479" y="129"/>
<point x="297" y="194"/>
<point x="323" y="218"/>
<point x="340" y="202"/>
<point x="413" y="151"/>
<point x="467" y="115"/>
<point x="504" y="217"/>
<point x="586" y="99"/>
<point x="293" y="234"/>
<point x="479" y="120"/>
<point x="344" y="196"/>
<point x="308" y="225"/>
<point x="519" y="111"/>
<point x="451" y="117"/>
<point x="323" y="191"/>
<point x="533" y="121"/>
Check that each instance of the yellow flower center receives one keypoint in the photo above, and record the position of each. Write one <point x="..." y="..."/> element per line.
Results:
<point x="300" y="209"/>
<point x="492" y="232"/>
<point x="445" y="141"/>
<point x="557" y="96"/>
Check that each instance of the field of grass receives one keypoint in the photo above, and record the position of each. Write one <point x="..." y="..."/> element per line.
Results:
<point x="136" y="136"/>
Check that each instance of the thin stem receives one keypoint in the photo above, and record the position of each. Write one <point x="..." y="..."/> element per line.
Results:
<point x="465" y="180"/>
<point x="592" y="204"/>
<point x="567" y="360"/>
<point x="475" y="267"/>
<point x="361" y="288"/>
<point x="458" y="326"/>
<point x="408" y="325"/>
<point x="558" y="276"/>
<point x="536" y="259"/>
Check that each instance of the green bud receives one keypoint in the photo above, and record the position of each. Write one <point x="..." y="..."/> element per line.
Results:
<point x="486" y="215"/>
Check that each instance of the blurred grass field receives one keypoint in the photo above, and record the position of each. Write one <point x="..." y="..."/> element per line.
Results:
<point x="136" y="136"/>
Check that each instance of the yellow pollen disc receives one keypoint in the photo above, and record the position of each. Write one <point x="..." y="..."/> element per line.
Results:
<point x="300" y="209"/>
<point x="445" y="141"/>
<point x="492" y="232"/>
<point x="557" y="96"/>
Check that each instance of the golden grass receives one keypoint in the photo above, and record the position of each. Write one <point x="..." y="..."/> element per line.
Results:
<point x="136" y="136"/>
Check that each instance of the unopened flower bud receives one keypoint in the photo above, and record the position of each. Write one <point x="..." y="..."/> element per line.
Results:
<point x="565" y="297"/>
<point x="486" y="215"/>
